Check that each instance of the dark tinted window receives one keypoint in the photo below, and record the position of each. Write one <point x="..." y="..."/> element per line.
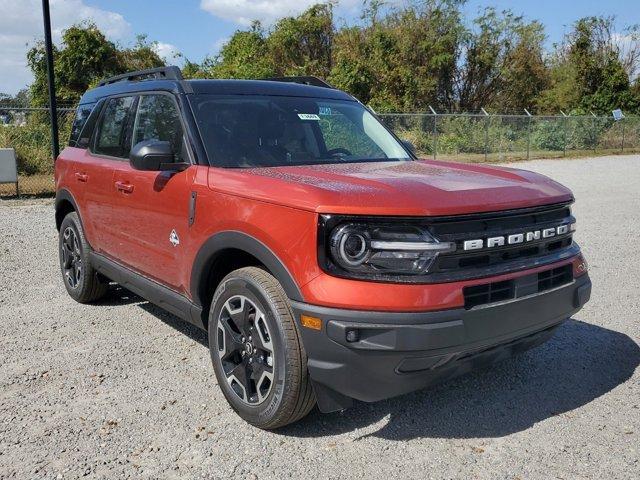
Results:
<point x="110" y="138"/>
<point x="158" y="119"/>
<point x="82" y="115"/>
<point x="271" y="131"/>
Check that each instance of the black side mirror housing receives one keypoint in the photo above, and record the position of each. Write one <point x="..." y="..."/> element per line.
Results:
<point x="155" y="156"/>
<point x="409" y="146"/>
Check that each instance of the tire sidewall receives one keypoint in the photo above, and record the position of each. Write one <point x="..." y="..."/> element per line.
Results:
<point x="70" y="222"/>
<point x="239" y="285"/>
<point x="83" y="292"/>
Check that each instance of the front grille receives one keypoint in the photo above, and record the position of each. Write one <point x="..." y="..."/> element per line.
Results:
<point x="494" y="260"/>
<point x="493" y="292"/>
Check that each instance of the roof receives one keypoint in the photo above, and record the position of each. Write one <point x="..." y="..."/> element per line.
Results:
<point x="215" y="87"/>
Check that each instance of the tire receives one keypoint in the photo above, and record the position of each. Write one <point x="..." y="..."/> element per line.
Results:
<point x="80" y="279"/>
<point x="257" y="352"/>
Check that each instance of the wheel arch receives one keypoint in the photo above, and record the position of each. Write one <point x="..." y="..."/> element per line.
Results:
<point x="64" y="204"/>
<point x="226" y="251"/>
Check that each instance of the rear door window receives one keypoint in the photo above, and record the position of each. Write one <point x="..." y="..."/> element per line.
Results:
<point x="112" y="130"/>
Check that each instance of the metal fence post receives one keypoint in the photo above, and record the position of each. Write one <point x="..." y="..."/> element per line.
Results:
<point x="435" y="132"/>
<point x="486" y="134"/>
<point x="623" y="122"/>
<point x="53" y="114"/>
<point x="528" y="132"/>
<point x="564" y="127"/>
<point x="595" y="131"/>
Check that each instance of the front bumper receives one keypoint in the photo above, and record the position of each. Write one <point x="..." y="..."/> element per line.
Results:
<point x="396" y="353"/>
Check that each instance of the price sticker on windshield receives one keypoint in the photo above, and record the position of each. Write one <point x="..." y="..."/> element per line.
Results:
<point x="308" y="116"/>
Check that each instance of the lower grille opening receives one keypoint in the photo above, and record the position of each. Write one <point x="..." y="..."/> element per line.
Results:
<point x="554" y="278"/>
<point x="509" y="289"/>
<point x="488" y="293"/>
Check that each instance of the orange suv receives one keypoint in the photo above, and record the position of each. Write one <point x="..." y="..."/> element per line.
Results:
<point x="325" y="260"/>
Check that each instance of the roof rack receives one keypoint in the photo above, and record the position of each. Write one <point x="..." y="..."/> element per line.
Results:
<point x="305" y="80"/>
<point x="169" y="73"/>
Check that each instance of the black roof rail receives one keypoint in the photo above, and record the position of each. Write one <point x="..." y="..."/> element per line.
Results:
<point x="305" y="80"/>
<point x="169" y="73"/>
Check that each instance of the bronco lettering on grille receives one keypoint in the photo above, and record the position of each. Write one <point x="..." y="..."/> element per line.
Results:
<point x="514" y="239"/>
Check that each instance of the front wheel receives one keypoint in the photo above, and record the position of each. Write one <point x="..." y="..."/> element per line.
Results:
<point x="257" y="354"/>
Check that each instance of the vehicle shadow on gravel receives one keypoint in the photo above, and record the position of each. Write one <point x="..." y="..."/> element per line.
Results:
<point x="121" y="296"/>
<point x="579" y="364"/>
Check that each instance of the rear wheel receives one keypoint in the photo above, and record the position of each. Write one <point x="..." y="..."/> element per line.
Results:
<point x="80" y="279"/>
<point x="257" y="355"/>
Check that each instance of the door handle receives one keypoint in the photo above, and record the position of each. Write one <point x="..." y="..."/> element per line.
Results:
<point x="82" y="177"/>
<point x="124" y="187"/>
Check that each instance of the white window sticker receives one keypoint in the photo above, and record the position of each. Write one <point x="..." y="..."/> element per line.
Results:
<point x="325" y="110"/>
<point x="308" y="116"/>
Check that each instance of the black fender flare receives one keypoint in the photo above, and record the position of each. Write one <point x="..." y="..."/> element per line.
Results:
<point x="221" y="241"/>
<point x="63" y="195"/>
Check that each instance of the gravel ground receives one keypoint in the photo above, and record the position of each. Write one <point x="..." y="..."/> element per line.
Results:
<point x="123" y="389"/>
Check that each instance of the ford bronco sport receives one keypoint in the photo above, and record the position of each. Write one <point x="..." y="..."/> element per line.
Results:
<point x="325" y="260"/>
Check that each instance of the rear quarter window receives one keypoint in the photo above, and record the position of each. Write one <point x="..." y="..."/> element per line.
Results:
<point x="82" y="115"/>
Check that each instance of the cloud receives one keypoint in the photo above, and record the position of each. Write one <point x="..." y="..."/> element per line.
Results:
<point x="243" y="12"/>
<point x="21" y="26"/>
<point x="166" y="51"/>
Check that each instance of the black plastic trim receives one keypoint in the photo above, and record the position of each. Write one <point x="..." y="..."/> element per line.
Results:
<point x="169" y="73"/>
<point x="327" y="222"/>
<point x="218" y="243"/>
<point x="63" y="195"/>
<point x="399" y="352"/>
<point x="192" y="208"/>
<point x="304" y="80"/>
<point x="160" y="295"/>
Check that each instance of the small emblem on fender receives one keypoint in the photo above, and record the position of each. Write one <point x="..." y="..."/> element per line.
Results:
<point x="174" y="239"/>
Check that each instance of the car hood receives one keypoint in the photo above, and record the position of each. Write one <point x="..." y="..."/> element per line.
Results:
<point x="393" y="188"/>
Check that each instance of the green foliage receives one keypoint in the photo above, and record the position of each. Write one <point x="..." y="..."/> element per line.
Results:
<point x="31" y="140"/>
<point x="84" y="58"/>
<point x="243" y="56"/>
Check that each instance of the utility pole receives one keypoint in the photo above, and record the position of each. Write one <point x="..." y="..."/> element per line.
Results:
<point x="53" y="110"/>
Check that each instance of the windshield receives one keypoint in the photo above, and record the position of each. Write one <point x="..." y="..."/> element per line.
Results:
<point x="272" y="131"/>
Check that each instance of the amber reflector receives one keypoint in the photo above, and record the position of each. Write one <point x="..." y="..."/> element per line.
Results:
<point x="311" y="322"/>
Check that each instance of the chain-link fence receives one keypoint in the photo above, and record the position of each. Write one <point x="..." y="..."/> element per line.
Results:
<point x="460" y="137"/>
<point x="491" y="138"/>
<point x="28" y="132"/>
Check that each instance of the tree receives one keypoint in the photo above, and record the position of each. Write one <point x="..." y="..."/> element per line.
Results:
<point x="243" y="56"/>
<point x="303" y="45"/>
<point x="591" y="71"/>
<point x="84" y="58"/>
<point x="20" y="99"/>
<point x="525" y="72"/>
<point x="401" y="59"/>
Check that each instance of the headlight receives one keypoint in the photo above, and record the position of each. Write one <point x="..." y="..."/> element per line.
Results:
<point x="373" y="250"/>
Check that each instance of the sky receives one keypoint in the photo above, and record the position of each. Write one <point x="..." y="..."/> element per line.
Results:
<point x="197" y="28"/>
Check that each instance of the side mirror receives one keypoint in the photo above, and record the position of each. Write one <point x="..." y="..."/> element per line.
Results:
<point x="154" y="155"/>
<point x="409" y="146"/>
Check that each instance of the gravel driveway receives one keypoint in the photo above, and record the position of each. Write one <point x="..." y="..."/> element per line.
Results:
<point x="123" y="389"/>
